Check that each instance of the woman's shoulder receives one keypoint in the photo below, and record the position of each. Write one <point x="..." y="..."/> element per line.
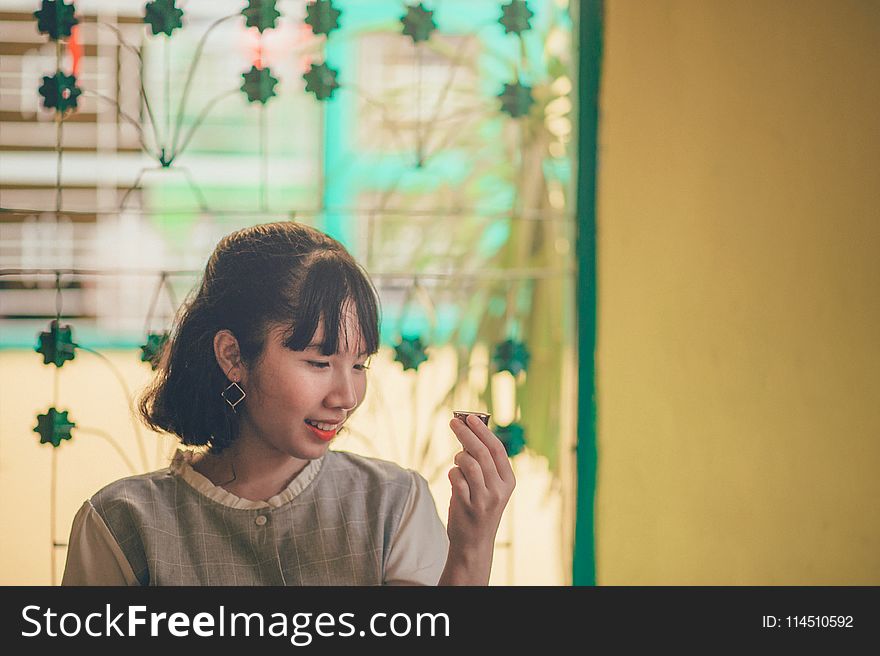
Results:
<point x="134" y="490"/>
<point x="365" y="470"/>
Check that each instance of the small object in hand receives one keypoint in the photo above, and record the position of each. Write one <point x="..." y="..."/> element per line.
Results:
<point x="462" y="414"/>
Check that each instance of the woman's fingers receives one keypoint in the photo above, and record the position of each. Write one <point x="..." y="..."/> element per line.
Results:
<point x="495" y="448"/>
<point x="471" y="469"/>
<point x="485" y="446"/>
<point x="475" y="447"/>
<point x="459" y="484"/>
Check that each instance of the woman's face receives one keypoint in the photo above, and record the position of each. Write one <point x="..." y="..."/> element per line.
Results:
<point x="287" y="389"/>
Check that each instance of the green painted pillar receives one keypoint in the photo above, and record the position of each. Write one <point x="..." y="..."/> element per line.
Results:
<point x="588" y="23"/>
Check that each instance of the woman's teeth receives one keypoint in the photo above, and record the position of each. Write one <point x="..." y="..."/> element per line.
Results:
<point x="324" y="427"/>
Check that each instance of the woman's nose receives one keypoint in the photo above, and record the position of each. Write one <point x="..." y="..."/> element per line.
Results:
<point x="344" y="394"/>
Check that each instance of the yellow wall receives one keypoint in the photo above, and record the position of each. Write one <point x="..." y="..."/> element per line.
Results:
<point x="739" y="293"/>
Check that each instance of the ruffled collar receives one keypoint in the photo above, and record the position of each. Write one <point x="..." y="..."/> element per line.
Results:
<point x="181" y="466"/>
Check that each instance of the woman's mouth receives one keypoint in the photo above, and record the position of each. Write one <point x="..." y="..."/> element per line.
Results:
<point x="325" y="432"/>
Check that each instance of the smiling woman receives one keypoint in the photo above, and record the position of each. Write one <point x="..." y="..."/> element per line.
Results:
<point x="281" y="281"/>
<point x="267" y="362"/>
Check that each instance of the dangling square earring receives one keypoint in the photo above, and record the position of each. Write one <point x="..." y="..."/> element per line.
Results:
<point x="233" y="395"/>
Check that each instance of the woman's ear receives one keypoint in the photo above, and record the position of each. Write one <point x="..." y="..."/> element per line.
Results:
<point x="228" y="355"/>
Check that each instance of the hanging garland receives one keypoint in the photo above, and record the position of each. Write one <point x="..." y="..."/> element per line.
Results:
<point x="321" y="79"/>
<point x="59" y="91"/>
<point x="516" y="101"/>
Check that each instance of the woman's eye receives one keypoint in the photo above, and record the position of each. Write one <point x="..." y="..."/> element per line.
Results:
<point x="324" y="365"/>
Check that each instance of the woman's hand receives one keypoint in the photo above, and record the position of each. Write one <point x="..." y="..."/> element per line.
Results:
<point x="482" y="482"/>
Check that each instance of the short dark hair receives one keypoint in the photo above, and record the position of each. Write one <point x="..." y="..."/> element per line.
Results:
<point x="276" y="273"/>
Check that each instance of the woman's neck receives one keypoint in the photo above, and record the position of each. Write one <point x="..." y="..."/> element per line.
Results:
<point x="250" y="470"/>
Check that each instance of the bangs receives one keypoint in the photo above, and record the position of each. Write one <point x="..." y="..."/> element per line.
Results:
<point x="330" y="290"/>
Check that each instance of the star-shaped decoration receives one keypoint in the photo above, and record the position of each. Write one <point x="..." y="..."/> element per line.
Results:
<point x="56" y="345"/>
<point x="515" y="17"/>
<point x="418" y="23"/>
<point x="53" y="427"/>
<point x="152" y="351"/>
<point x="512" y="437"/>
<point x="511" y="356"/>
<point x="410" y="352"/>
<point x="261" y="14"/>
<point x="163" y="17"/>
<point x="322" y="16"/>
<point x="55" y="18"/>
<point x="516" y="99"/>
<point x="60" y="91"/>
<point x="259" y="85"/>
<point x="321" y="81"/>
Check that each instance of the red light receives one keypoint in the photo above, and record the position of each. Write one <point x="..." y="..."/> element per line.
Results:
<point x="75" y="49"/>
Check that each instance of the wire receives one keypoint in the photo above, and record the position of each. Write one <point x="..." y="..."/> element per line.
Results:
<point x="128" y="398"/>
<point x="410" y="214"/>
<point x="484" y="274"/>
<point x="106" y="436"/>
<point x="153" y="303"/>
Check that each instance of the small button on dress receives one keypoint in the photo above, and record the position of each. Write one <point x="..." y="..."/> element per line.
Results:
<point x="260" y="520"/>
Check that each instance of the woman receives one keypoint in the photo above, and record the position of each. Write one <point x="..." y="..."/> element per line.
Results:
<point x="267" y="362"/>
